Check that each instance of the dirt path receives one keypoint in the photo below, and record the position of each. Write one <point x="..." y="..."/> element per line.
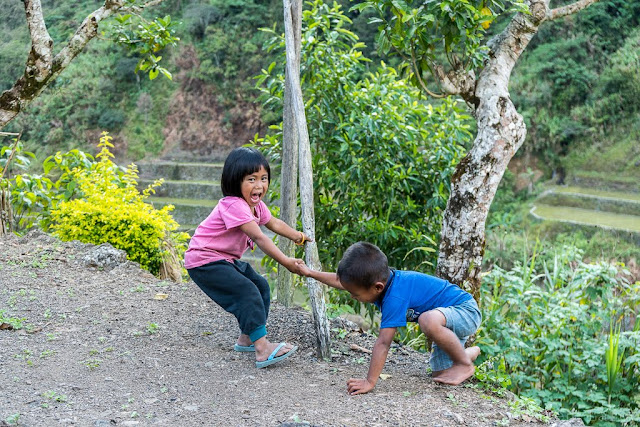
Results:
<point x="98" y="350"/>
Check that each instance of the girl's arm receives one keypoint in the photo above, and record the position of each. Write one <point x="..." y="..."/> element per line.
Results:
<point x="283" y="229"/>
<point x="252" y="230"/>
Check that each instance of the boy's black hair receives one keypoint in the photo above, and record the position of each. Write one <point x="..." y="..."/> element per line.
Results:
<point x="241" y="162"/>
<point x="363" y="264"/>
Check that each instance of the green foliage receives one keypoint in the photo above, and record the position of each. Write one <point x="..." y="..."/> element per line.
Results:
<point x="382" y="159"/>
<point x="577" y="86"/>
<point x="374" y="146"/>
<point x="549" y="323"/>
<point x="98" y="90"/>
<point x="228" y="43"/>
<point x="9" y="322"/>
<point x="419" y="30"/>
<point x="109" y="208"/>
<point x="146" y="38"/>
<point x="34" y="195"/>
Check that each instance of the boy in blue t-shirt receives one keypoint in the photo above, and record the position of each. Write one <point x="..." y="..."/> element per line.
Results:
<point x="446" y="314"/>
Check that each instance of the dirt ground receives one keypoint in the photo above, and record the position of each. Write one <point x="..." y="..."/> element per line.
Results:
<point x="97" y="348"/>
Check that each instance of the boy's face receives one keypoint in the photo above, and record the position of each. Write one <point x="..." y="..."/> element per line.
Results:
<point x="255" y="186"/>
<point x="362" y="294"/>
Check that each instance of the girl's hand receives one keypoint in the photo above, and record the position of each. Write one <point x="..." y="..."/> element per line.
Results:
<point x="303" y="270"/>
<point x="359" y="386"/>
<point x="296" y="266"/>
<point x="303" y="238"/>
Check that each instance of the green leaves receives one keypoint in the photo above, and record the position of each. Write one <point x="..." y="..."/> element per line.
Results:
<point x="382" y="157"/>
<point x="445" y="32"/>
<point x="146" y="38"/>
<point x="557" y="335"/>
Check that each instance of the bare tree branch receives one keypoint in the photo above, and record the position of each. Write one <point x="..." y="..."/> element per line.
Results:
<point x="41" y="68"/>
<point x="569" y="9"/>
<point x="41" y="55"/>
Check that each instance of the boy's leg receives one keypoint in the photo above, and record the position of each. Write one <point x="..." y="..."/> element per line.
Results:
<point x="449" y="329"/>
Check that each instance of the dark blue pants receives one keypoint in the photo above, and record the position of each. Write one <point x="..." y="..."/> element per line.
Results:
<point x="239" y="290"/>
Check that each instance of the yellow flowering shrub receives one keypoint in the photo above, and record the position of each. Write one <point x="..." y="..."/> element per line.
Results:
<point x="110" y="209"/>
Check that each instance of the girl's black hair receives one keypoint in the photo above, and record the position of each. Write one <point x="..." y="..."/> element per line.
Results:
<point x="241" y="162"/>
<point x="363" y="264"/>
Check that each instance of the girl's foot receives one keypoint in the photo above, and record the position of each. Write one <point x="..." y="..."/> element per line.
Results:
<point x="244" y="340"/>
<point x="264" y="350"/>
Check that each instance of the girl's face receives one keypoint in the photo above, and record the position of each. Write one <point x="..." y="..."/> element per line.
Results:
<point x="255" y="186"/>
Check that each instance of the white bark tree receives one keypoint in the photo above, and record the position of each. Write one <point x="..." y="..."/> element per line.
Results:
<point x="298" y="125"/>
<point x="485" y="87"/>
<point x="289" y="174"/>
<point x="42" y="65"/>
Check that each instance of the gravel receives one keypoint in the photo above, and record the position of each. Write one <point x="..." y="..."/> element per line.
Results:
<point x="109" y="344"/>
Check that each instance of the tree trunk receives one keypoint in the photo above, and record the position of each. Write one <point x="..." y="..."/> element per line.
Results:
<point x="316" y="294"/>
<point x="289" y="173"/>
<point x="6" y="219"/>
<point x="501" y="131"/>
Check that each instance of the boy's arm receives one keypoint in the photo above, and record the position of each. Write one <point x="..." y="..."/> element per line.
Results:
<point x="329" y="279"/>
<point x="379" y="356"/>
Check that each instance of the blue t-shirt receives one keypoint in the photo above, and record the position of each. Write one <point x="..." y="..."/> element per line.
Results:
<point x="408" y="294"/>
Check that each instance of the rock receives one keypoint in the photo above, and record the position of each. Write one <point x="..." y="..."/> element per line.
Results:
<point x="573" y="422"/>
<point x="104" y="256"/>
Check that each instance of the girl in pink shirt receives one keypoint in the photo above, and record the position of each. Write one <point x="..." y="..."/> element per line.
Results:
<point x="213" y="257"/>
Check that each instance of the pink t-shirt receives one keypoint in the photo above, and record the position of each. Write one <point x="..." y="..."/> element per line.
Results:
<point x="219" y="237"/>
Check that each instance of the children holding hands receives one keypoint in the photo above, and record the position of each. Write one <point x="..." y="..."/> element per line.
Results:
<point x="447" y="315"/>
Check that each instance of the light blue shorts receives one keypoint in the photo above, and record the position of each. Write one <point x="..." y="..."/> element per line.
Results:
<point x="464" y="320"/>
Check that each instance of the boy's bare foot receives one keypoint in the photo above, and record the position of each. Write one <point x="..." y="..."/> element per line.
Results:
<point x="473" y="352"/>
<point x="454" y="375"/>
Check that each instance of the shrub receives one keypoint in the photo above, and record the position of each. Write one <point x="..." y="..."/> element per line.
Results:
<point x="109" y="208"/>
<point x="549" y="323"/>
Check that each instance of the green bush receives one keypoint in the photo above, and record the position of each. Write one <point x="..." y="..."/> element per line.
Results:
<point x="548" y="323"/>
<point x="109" y="208"/>
<point x="382" y="157"/>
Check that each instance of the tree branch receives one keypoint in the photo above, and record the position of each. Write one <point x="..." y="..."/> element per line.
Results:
<point x="569" y="9"/>
<point x="41" y="54"/>
<point x="41" y="67"/>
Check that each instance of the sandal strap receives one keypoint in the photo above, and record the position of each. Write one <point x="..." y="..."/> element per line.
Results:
<point x="273" y="354"/>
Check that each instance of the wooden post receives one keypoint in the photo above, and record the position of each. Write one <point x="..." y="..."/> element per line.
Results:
<point x="6" y="217"/>
<point x="289" y="173"/>
<point x="316" y="294"/>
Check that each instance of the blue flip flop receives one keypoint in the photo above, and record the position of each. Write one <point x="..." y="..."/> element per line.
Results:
<point x="272" y="357"/>
<point x="244" y="348"/>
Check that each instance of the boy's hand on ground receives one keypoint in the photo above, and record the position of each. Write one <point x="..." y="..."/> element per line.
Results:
<point x="359" y="386"/>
